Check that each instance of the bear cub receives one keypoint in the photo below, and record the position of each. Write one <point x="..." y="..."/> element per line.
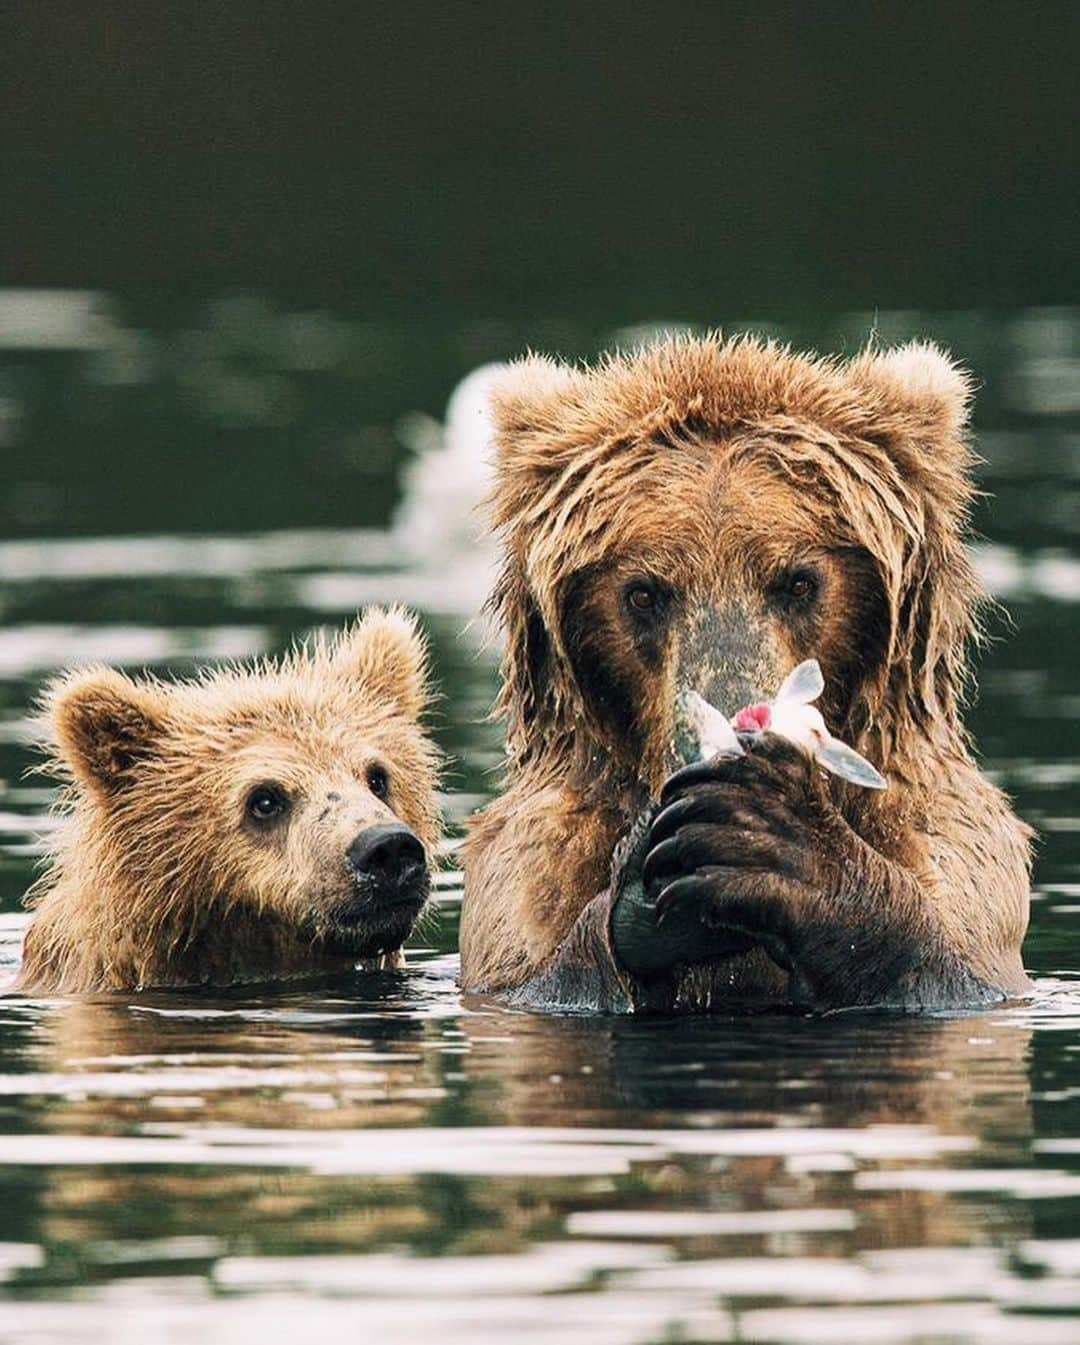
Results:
<point x="249" y="824"/>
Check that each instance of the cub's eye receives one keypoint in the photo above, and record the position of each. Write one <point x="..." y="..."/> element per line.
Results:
<point x="266" y="802"/>
<point x="378" y="781"/>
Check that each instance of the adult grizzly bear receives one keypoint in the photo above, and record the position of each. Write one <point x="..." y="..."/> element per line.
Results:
<point x="249" y="825"/>
<point x="705" y="515"/>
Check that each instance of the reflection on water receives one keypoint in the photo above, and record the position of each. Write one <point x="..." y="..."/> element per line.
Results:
<point x="381" y="1145"/>
<point x="374" y="1158"/>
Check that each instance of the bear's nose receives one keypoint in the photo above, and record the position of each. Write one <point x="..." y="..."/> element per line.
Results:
<point x="386" y="853"/>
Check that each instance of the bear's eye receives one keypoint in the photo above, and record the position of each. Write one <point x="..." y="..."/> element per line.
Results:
<point x="644" y="598"/>
<point x="265" y="803"/>
<point x="797" y="589"/>
<point x="802" y="584"/>
<point x="378" y="781"/>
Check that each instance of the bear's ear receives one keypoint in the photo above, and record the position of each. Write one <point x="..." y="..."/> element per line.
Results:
<point x="102" y="725"/>
<point x="526" y="395"/>
<point x="384" y="655"/>
<point x="916" y="401"/>
<point x="534" y="406"/>
<point x="921" y="386"/>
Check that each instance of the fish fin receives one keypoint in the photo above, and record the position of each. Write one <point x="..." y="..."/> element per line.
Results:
<point x="845" y="762"/>
<point x="715" y="735"/>
<point x="803" y="684"/>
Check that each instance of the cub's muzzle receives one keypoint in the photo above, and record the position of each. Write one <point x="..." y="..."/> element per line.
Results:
<point x="389" y="864"/>
<point x="390" y="883"/>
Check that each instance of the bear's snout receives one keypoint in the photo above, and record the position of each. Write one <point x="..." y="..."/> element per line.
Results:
<point x="390" y="859"/>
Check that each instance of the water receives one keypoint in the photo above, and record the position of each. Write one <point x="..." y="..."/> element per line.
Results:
<point x="374" y="1157"/>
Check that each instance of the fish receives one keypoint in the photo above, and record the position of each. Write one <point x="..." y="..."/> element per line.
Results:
<point x="792" y="714"/>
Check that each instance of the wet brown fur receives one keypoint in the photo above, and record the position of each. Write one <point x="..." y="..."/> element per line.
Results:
<point x="154" y="878"/>
<point x="731" y="457"/>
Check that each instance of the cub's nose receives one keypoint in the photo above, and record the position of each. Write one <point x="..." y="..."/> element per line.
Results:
<point x="389" y="854"/>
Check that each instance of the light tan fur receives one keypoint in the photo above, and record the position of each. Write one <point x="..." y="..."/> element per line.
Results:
<point x="711" y="458"/>
<point x="153" y="877"/>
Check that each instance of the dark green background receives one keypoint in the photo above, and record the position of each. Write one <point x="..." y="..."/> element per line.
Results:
<point x="779" y="157"/>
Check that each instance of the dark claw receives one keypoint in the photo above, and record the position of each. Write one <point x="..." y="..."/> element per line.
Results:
<point x="677" y="893"/>
<point x="717" y="770"/>
<point x="666" y="855"/>
<point x="735" y="805"/>
<point x="707" y="896"/>
<point x="671" y="818"/>
<point x="769" y="758"/>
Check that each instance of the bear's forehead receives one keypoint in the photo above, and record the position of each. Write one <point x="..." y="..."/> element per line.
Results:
<point x="748" y="501"/>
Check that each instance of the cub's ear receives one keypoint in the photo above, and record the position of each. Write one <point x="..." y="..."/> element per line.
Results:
<point x="384" y="655"/>
<point x="921" y="386"/>
<point x="102" y="725"/>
